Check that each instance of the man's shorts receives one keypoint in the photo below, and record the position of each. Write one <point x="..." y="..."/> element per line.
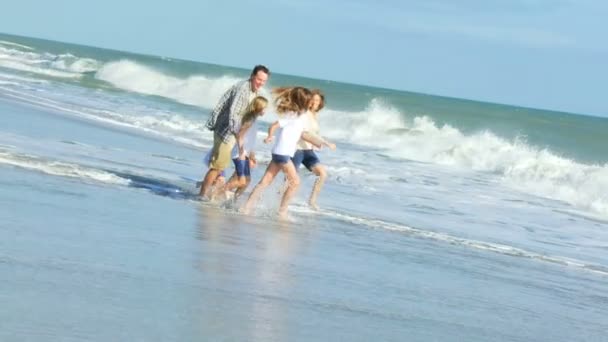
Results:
<point x="221" y="155"/>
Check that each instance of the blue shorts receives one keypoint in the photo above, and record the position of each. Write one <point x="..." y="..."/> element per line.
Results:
<point x="242" y="167"/>
<point x="307" y="157"/>
<point x="280" y="159"/>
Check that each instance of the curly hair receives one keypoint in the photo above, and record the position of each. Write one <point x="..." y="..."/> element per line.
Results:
<point x="292" y="99"/>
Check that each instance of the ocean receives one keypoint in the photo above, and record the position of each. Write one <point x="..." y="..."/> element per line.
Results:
<point x="442" y="219"/>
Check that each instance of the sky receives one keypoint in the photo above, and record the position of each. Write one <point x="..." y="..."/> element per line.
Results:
<point x="548" y="54"/>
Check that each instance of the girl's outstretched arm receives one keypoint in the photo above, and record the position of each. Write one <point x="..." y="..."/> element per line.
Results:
<point x="271" y="131"/>
<point x="317" y="140"/>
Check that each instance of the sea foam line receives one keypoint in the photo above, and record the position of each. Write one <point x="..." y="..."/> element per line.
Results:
<point x="457" y="241"/>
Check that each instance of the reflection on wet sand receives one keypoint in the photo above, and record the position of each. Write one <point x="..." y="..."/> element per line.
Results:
<point x="250" y="259"/>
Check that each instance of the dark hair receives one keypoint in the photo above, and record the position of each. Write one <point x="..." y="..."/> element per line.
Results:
<point x="260" y="67"/>
<point x="321" y="95"/>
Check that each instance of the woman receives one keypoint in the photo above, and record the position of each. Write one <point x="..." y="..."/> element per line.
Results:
<point x="306" y="151"/>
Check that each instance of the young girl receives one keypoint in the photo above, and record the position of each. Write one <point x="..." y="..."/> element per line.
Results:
<point x="243" y="155"/>
<point x="291" y="103"/>
<point x="306" y="152"/>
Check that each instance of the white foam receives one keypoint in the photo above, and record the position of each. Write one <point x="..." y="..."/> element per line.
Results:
<point x="62" y="66"/>
<point x="194" y="90"/>
<point x="58" y="168"/>
<point x="75" y="64"/>
<point x="41" y="71"/>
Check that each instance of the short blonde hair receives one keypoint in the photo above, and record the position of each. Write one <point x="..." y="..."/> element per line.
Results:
<point x="255" y="108"/>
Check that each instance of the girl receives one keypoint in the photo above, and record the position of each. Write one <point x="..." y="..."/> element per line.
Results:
<point x="306" y="153"/>
<point x="243" y="155"/>
<point x="291" y="103"/>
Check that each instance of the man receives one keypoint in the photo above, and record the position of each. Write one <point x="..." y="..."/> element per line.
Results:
<point x="225" y="120"/>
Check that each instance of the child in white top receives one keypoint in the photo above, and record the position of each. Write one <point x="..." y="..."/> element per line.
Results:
<point x="306" y="153"/>
<point x="291" y="104"/>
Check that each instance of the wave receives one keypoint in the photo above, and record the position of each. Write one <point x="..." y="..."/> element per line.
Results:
<point x="195" y="90"/>
<point x="75" y="64"/>
<point x="20" y="58"/>
<point x="7" y="43"/>
<point x="173" y="127"/>
<point x="532" y="170"/>
<point x="59" y="168"/>
<point x="36" y="70"/>
<point x="520" y="165"/>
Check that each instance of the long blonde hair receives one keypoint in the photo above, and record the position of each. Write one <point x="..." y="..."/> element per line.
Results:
<point x="255" y="109"/>
<point x="292" y="99"/>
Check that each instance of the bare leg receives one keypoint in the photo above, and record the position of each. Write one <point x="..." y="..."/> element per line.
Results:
<point x="293" y="182"/>
<point x="208" y="181"/>
<point x="239" y="191"/>
<point x="232" y="183"/>
<point x="318" y="170"/>
<point x="271" y="171"/>
<point x="283" y="187"/>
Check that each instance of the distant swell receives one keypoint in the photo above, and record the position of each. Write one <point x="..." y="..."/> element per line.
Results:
<point x="194" y="90"/>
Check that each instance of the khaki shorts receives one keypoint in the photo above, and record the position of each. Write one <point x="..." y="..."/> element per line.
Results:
<point x="221" y="153"/>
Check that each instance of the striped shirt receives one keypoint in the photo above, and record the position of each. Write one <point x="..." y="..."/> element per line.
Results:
<point x="225" y="119"/>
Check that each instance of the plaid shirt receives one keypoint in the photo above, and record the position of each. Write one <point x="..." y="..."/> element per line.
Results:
<point x="225" y="118"/>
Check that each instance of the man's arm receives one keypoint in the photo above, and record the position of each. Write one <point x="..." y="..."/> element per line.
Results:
<point x="218" y="109"/>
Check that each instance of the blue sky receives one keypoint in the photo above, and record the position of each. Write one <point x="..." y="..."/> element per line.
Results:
<point x="548" y="54"/>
